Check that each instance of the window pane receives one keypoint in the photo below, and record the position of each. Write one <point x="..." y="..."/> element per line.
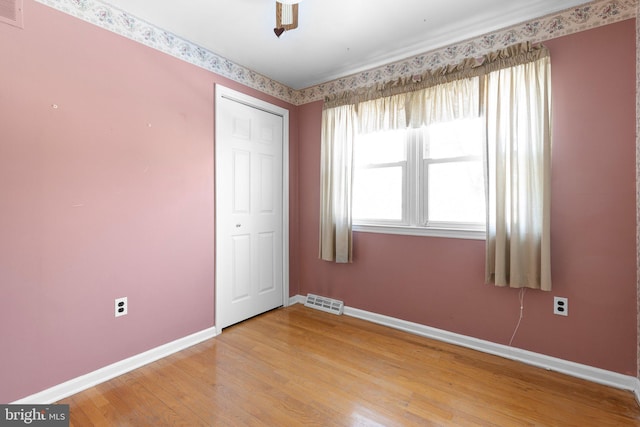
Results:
<point x="453" y="139"/>
<point x="377" y="193"/>
<point x="380" y="147"/>
<point x="456" y="192"/>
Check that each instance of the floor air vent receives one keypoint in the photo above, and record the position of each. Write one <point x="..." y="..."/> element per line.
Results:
<point x="325" y="304"/>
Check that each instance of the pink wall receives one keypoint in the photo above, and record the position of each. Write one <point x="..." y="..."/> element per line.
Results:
<point x="109" y="195"/>
<point x="95" y="204"/>
<point x="439" y="282"/>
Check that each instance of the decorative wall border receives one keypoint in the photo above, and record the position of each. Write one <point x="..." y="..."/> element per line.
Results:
<point x="115" y="20"/>
<point x="591" y="15"/>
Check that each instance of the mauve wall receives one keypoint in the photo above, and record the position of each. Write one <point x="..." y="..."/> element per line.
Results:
<point x="109" y="195"/>
<point x="439" y="282"/>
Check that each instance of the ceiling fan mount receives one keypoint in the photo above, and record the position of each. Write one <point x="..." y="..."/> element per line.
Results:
<point x="286" y="16"/>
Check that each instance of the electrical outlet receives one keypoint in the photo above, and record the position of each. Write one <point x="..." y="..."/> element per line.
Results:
<point x="561" y="306"/>
<point x="121" y="306"/>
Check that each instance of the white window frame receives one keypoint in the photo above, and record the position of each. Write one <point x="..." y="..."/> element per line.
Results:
<point x="414" y="209"/>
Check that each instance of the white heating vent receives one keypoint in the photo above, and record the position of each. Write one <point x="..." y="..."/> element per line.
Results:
<point x="325" y="304"/>
<point x="11" y="12"/>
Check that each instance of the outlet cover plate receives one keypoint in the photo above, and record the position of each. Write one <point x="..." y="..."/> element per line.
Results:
<point x="121" y="306"/>
<point x="561" y="306"/>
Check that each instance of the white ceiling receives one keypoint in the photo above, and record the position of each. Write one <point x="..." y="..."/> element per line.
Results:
<point x="335" y="38"/>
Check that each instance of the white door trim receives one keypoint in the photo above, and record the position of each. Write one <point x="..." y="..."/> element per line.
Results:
<point x="224" y="92"/>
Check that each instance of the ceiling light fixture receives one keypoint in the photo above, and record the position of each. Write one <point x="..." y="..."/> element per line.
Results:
<point x="286" y="16"/>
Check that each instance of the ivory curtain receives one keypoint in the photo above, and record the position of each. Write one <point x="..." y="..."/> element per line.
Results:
<point x="517" y="108"/>
<point x="336" y="172"/>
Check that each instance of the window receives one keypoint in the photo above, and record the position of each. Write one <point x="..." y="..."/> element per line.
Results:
<point x="426" y="181"/>
<point x="380" y="178"/>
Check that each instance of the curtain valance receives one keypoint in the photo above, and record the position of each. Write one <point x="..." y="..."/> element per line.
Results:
<point x="473" y="67"/>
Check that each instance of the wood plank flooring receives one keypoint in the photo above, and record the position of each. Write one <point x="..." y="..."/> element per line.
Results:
<point x="298" y="366"/>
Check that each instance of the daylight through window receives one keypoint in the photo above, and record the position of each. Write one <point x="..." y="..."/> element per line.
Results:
<point x="426" y="181"/>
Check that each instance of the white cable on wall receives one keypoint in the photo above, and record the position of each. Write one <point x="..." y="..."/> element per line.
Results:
<point x="521" y="299"/>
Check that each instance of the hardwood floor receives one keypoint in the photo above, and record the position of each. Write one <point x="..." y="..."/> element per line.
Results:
<point x="298" y="366"/>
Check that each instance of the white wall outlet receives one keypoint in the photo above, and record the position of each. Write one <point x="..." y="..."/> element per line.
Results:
<point x="121" y="306"/>
<point x="561" y="306"/>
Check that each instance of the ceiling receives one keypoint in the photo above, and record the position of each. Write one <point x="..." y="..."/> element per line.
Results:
<point x="335" y="38"/>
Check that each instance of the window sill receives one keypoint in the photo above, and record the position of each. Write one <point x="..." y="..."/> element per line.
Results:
<point x="422" y="231"/>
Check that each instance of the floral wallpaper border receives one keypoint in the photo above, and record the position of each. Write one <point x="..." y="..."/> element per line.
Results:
<point x="570" y="21"/>
<point x="591" y="15"/>
<point x="120" y="22"/>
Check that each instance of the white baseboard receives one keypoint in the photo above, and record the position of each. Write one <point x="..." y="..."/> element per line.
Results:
<point x="597" y="375"/>
<point x="578" y="370"/>
<point x="297" y="299"/>
<point x="101" y="375"/>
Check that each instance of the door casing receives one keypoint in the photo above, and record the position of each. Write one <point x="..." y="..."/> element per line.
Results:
<point x="230" y="94"/>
